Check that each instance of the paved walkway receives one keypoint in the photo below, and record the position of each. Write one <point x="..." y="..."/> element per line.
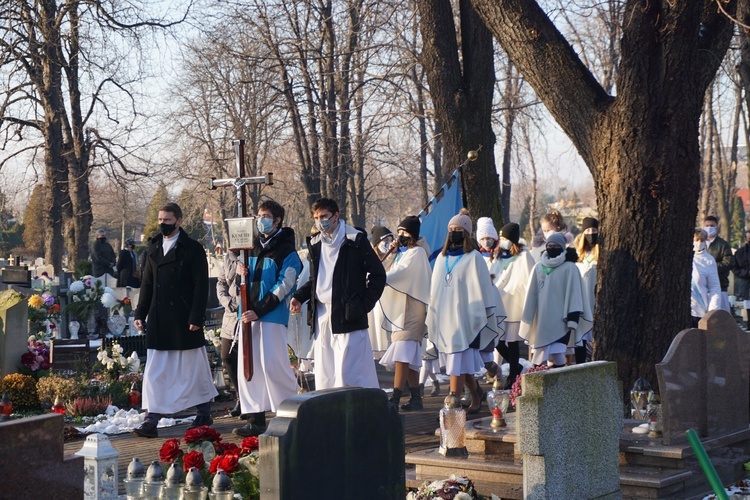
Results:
<point x="420" y="427"/>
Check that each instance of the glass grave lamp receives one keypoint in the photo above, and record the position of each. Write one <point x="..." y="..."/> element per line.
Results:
<point x="498" y="401"/>
<point x="452" y="428"/>
<point x="153" y="485"/>
<point x="134" y="480"/>
<point x="653" y="413"/>
<point x="172" y="487"/>
<point x="5" y="408"/>
<point x="194" y="489"/>
<point x="221" y="487"/>
<point x="73" y="327"/>
<point x="639" y="397"/>
<point x="58" y="407"/>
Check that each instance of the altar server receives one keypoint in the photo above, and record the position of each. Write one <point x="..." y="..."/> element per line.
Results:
<point x="461" y="316"/>
<point x="404" y="304"/>
<point x="587" y="246"/>
<point x="555" y="316"/>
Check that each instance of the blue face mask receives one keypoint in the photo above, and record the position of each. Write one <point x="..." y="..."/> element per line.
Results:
<point x="265" y="226"/>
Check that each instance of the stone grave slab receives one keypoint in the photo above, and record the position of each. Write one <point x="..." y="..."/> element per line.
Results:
<point x="33" y="462"/>
<point x="703" y="380"/>
<point x="569" y="423"/>
<point x="14" y="330"/>
<point x="336" y="443"/>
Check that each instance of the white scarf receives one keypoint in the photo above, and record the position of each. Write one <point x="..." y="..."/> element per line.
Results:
<point x="329" y="254"/>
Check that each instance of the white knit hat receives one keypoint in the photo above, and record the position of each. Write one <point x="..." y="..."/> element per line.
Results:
<point x="486" y="229"/>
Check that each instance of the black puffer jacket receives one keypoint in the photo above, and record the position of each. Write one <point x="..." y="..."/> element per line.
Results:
<point x="358" y="282"/>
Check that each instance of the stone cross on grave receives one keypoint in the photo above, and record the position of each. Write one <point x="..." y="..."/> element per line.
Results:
<point x="241" y="236"/>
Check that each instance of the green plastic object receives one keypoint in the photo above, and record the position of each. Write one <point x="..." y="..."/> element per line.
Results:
<point x="706" y="465"/>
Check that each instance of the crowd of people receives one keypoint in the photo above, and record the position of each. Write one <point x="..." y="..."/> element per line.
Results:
<point x="377" y="298"/>
<point x="366" y="300"/>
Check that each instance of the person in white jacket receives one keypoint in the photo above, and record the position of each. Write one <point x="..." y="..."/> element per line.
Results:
<point x="705" y="290"/>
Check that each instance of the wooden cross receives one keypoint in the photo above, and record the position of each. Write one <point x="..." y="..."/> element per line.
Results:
<point x="239" y="183"/>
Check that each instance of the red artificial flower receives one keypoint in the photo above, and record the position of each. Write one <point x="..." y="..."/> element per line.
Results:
<point x="56" y="308"/>
<point x="193" y="459"/>
<point x="202" y="433"/>
<point x="170" y="451"/>
<point x="126" y="301"/>
<point x="228" y="448"/>
<point x="249" y="444"/>
<point x="227" y="463"/>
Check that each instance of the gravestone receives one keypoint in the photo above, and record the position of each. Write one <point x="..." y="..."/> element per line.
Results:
<point x="33" y="462"/>
<point x="214" y="317"/>
<point x="71" y="355"/>
<point x="14" y="330"/>
<point x="704" y="380"/>
<point x="569" y="423"/>
<point x="337" y="443"/>
<point x="50" y="270"/>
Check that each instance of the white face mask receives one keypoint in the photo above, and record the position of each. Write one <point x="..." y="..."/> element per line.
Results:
<point x="487" y="243"/>
<point x="547" y="234"/>
<point x="699" y="246"/>
<point x="710" y="231"/>
<point x="505" y="244"/>
<point x="383" y="246"/>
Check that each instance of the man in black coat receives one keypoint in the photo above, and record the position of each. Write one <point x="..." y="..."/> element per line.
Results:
<point x="173" y="298"/>
<point x="126" y="266"/>
<point x="102" y="255"/>
<point x="346" y="281"/>
<point x="741" y="270"/>
<point x="721" y="251"/>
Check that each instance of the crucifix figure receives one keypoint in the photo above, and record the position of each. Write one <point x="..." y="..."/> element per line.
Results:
<point x="239" y="184"/>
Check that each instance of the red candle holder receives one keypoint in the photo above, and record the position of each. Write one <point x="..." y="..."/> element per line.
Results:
<point x="58" y="407"/>
<point x="134" y="398"/>
<point x="5" y="407"/>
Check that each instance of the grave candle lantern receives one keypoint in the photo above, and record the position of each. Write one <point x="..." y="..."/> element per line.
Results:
<point x="5" y="407"/>
<point x="639" y="397"/>
<point x="452" y="428"/>
<point x="221" y="487"/>
<point x="58" y="407"/>
<point x="194" y="489"/>
<point x="498" y="402"/>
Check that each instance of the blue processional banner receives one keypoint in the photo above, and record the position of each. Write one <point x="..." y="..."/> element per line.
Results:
<point x="435" y="216"/>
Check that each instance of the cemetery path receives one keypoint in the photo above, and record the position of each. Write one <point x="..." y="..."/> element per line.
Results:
<point x="420" y="427"/>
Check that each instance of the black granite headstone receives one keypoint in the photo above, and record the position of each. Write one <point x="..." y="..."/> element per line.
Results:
<point x="336" y="443"/>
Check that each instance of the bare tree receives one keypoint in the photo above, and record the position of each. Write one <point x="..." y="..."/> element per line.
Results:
<point x="461" y="86"/>
<point x="58" y="82"/>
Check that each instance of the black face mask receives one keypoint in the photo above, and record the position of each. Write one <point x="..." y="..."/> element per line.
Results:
<point x="167" y="229"/>
<point x="554" y="252"/>
<point x="456" y="237"/>
<point x="591" y="239"/>
<point x="403" y="240"/>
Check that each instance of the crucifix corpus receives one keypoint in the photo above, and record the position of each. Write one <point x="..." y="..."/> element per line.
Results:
<point x="241" y="237"/>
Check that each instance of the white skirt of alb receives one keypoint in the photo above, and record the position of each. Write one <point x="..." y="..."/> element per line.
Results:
<point x="462" y="363"/>
<point x="403" y="351"/>
<point x="176" y="380"/>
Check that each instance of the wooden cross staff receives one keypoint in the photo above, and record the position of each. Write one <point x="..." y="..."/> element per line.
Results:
<point x="239" y="183"/>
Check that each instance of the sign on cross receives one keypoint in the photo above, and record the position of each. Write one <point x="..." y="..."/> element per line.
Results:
<point x="241" y="237"/>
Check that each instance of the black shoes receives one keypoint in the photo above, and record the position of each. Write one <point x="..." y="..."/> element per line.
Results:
<point x="249" y="430"/>
<point x="415" y="402"/>
<point x="236" y="411"/>
<point x="201" y="420"/>
<point x="146" y="430"/>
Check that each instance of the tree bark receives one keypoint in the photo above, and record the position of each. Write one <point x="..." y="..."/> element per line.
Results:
<point x="462" y="95"/>
<point x="642" y="150"/>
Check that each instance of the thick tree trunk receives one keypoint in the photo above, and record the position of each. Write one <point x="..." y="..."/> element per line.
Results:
<point x="462" y="94"/>
<point x="641" y="148"/>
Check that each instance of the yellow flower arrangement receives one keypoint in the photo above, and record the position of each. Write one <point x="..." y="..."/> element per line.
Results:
<point x="36" y="301"/>
<point x="22" y="391"/>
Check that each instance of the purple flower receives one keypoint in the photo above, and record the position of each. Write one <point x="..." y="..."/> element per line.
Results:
<point x="88" y="282"/>
<point x="48" y="299"/>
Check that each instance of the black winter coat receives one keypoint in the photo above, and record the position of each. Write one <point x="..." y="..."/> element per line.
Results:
<point x="103" y="258"/>
<point x="358" y="282"/>
<point x="741" y="270"/>
<point x="126" y="269"/>
<point x="721" y="251"/>
<point x="174" y="294"/>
